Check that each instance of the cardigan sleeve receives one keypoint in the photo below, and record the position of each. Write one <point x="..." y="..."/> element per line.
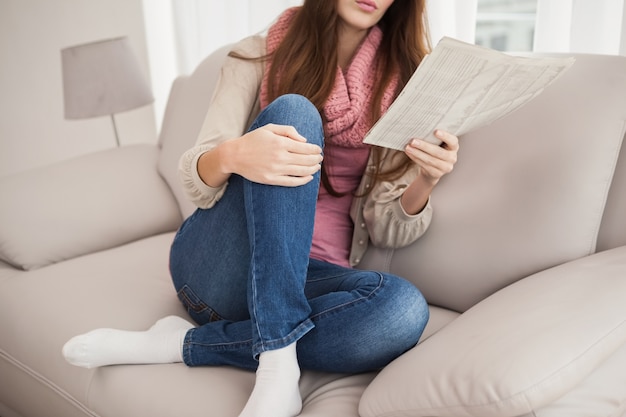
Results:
<point x="379" y="217"/>
<point x="234" y="105"/>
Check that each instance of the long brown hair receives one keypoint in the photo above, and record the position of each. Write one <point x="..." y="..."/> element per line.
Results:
<point x="312" y="50"/>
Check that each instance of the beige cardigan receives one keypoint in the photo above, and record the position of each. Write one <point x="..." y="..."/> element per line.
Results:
<point x="378" y="217"/>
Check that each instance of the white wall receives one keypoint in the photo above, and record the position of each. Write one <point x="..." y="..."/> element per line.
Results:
<point x="33" y="131"/>
<point x="181" y="33"/>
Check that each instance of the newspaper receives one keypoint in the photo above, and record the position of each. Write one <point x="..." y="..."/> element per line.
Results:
<point x="459" y="87"/>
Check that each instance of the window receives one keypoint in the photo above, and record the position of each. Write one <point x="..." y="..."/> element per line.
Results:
<point x="506" y="25"/>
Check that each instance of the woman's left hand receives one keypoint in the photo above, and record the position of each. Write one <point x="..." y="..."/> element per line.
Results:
<point x="434" y="161"/>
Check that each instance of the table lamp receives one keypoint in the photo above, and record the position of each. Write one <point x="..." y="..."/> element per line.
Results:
<point x="102" y="78"/>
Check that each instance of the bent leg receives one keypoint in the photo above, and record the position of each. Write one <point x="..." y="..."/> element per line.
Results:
<point x="363" y="320"/>
<point x="258" y="238"/>
<point x="246" y="258"/>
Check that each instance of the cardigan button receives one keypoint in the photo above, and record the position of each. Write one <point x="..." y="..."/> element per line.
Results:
<point x="363" y="225"/>
<point x="361" y="242"/>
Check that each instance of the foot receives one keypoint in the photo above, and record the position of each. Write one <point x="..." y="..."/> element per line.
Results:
<point x="162" y="343"/>
<point x="276" y="391"/>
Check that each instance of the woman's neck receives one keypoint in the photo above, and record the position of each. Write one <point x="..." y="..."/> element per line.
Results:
<point x="349" y="41"/>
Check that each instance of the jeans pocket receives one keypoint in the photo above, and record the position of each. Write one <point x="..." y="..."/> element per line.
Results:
<point x="197" y="309"/>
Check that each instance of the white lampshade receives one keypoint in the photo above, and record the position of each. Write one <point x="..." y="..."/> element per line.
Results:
<point x="102" y="78"/>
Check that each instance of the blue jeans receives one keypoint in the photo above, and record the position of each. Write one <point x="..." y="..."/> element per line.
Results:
<point x="242" y="270"/>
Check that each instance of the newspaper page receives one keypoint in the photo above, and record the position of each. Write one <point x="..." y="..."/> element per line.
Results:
<point x="459" y="87"/>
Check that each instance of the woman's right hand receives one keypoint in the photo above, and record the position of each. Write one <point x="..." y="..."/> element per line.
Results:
<point x="272" y="154"/>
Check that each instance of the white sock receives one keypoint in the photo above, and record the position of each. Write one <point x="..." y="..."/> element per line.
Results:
<point x="162" y="343"/>
<point x="276" y="391"/>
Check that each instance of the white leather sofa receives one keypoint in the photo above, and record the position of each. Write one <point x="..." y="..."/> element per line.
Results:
<point x="524" y="267"/>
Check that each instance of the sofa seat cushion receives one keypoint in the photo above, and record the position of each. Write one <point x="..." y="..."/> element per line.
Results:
<point x="127" y="287"/>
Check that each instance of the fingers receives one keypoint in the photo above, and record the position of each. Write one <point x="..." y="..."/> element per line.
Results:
<point x="435" y="161"/>
<point x="296" y="168"/>
<point x="450" y="141"/>
<point x="286" y="131"/>
<point x="277" y="155"/>
<point x="289" y="175"/>
<point x="300" y="155"/>
<point x="288" y="181"/>
<point x="291" y="133"/>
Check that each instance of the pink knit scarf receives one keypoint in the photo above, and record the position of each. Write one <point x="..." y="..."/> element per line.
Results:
<point x="347" y="108"/>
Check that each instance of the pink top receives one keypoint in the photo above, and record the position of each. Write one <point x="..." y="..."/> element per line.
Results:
<point x="346" y="121"/>
<point x="332" y="235"/>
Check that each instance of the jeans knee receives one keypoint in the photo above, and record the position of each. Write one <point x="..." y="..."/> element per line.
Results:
<point x="298" y="111"/>
<point x="398" y="321"/>
<point x="295" y="101"/>
<point x="410" y="313"/>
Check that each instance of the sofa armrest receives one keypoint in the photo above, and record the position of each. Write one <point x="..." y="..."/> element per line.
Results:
<point x="516" y="351"/>
<point x="86" y="204"/>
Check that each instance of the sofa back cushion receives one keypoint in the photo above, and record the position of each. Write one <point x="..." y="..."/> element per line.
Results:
<point x="528" y="191"/>
<point x="86" y="204"/>
<point x="186" y="108"/>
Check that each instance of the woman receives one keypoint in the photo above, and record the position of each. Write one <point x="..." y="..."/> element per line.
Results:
<point x="264" y="266"/>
